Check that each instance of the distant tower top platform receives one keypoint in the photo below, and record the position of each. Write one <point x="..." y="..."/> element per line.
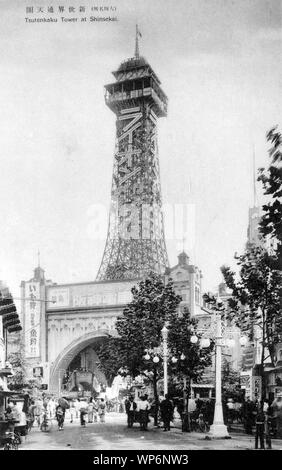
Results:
<point x="136" y="81"/>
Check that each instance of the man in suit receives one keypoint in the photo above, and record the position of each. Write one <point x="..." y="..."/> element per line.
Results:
<point x="167" y="412"/>
<point x="130" y="408"/>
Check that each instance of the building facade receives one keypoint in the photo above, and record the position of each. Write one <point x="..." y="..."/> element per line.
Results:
<point x="187" y="281"/>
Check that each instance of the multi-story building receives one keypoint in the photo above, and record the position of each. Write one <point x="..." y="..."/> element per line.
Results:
<point x="187" y="280"/>
<point x="9" y="323"/>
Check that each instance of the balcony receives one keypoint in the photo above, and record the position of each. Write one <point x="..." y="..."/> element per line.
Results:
<point x="114" y="99"/>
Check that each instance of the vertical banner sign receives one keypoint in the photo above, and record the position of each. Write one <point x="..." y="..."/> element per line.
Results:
<point x="256" y="387"/>
<point x="32" y="319"/>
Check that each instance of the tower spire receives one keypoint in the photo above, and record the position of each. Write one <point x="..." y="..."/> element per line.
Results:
<point x="183" y="243"/>
<point x="38" y="256"/>
<point x="254" y="178"/>
<point x="138" y="34"/>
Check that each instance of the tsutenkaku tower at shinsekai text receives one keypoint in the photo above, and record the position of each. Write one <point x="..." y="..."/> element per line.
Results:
<point x="135" y="244"/>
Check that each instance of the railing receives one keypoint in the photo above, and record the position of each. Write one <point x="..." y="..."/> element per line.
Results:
<point x="120" y="96"/>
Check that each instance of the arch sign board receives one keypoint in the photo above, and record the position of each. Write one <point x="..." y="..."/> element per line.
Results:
<point x="96" y="294"/>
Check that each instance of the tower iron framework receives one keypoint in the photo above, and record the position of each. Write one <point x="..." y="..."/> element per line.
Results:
<point x="135" y="242"/>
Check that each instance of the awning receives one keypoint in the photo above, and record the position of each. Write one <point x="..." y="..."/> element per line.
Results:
<point x="13" y="329"/>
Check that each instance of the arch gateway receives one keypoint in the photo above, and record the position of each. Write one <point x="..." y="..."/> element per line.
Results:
<point x="62" y="326"/>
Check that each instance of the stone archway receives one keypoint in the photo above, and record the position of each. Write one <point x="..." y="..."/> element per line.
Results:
<point x="67" y="355"/>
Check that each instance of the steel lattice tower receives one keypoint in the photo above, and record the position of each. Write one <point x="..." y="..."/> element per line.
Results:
<point x="135" y="242"/>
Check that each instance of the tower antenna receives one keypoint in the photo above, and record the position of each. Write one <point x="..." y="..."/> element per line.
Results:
<point x="38" y="255"/>
<point x="138" y="34"/>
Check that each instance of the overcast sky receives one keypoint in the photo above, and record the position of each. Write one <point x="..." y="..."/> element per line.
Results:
<point x="220" y="65"/>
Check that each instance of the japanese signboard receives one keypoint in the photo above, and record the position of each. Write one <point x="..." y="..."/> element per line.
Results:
<point x="89" y="295"/>
<point x="256" y="387"/>
<point x="32" y="319"/>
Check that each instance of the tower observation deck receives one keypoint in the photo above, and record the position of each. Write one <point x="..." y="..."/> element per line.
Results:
<point x="135" y="242"/>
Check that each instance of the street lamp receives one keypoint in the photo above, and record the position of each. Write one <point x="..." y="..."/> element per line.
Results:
<point x="243" y="340"/>
<point x="165" y="356"/>
<point x="218" y="428"/>
<point x="161" y="351"/>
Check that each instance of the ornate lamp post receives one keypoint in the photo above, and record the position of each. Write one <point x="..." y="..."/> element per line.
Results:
<point x="165" y="357"/>
<point x="221" y="338"/>
<point x="163" y="352"/>
<point x="218" y="428"/>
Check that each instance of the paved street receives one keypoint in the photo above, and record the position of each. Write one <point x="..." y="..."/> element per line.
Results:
<point x="114" y="435"/>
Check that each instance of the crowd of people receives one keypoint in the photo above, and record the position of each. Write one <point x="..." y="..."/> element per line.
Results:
<point x="21" y="416"/>
<point x="265" y="423"/>
<point x="140" y="411"/>
<point x="254" y="420"/>
<point x="85" y="409"/>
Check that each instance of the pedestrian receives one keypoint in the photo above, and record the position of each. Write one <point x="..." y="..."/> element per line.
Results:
<point x="237" y="411"/>
<point x="76" y="407"/>
<point x="260" y="425"/>
<point x="248" y="410"/>
<point x="143" y="408"/>
<point x="166" y="407"/>
<point x="102" y="410"/>
<point x="90" y="409"/>
<point x="26" y="403"/>
<point x="130" y="408"/>
<point x="180" y="407"/>
<point x="10" y="417"/>
<point x="30" y="414"/>
<point x="60" y="415"/>
<point x="20" y="420"/>
<point x="95" y="410"/>
<point x="230" y="410"/>
<point x="83" y="409"/>
<point x="72" y="411"/>
<point x="38" y="411"/>
<point x="51" y="407"/>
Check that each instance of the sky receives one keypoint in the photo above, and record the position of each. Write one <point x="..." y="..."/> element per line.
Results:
<point x="219" y="62"/>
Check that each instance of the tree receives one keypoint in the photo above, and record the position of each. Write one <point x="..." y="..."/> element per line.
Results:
<point x="255" y="301"/>
<point x="256" y="295"/>
<point x="271" y="178"/>
<point x="139" y="328"/>
<point x="19" y="381"/>
<point x="230" y="381"/>
<point x="194" y="360"/>
<point x="153" y="305"/>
